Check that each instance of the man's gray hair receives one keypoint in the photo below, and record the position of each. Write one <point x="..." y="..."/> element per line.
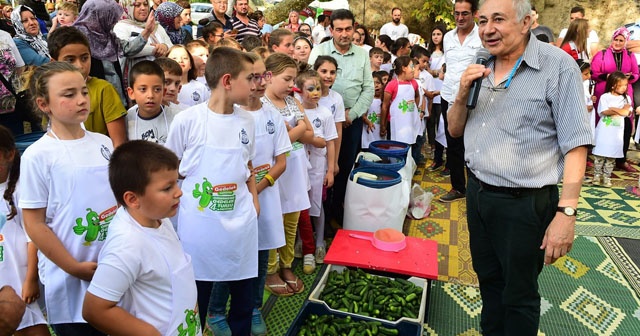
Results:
<point x="521" y="7"/>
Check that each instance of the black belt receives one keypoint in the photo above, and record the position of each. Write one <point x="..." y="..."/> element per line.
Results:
<point x="505" y="190"/>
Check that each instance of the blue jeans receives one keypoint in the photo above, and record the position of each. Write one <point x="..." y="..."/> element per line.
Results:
<point x="220" y="291"/>
<point x="242" y="302"/>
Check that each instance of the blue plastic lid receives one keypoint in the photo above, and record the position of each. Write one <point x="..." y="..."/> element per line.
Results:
<point x="389" y="148"/>
<point x="373" y="177"/>
<point x="387" y="162"/>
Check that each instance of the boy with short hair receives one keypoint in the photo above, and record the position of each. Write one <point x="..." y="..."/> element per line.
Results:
<point x="217" y="221"/>
<point x="376" y="56"/>
<point x="106" y="113"/>
<point x="172" y="83"/>
<point x="144" y="283"/>
<point x="281" y="40"/>
<point x="148" y="119"/>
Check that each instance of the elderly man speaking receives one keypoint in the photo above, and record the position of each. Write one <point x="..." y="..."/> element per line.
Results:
<point x="527" y="132"/>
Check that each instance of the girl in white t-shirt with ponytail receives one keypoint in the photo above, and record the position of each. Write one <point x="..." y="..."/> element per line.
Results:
<point x="65" y="196"/>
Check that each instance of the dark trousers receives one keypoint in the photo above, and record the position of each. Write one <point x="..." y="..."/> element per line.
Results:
<point x="626" y="139"/>
<point x="242" y="303"/>
<point x="432" y="123"/>
<point x="75" y="329"/>
<point x="455" y="154"/>
<point x="351" y="139"/>
<point x="505" y="234"/>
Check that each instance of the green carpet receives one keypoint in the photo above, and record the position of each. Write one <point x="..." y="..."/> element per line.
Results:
<point x="582" y="294"/>
<point x="608" y="212"/>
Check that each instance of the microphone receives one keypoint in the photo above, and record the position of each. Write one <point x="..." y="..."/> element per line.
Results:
<point x="482" y="57"/>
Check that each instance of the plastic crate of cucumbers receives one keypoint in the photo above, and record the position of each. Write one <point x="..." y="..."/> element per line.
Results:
<point x="376" y="297"/>
<point x="316" y="319"/>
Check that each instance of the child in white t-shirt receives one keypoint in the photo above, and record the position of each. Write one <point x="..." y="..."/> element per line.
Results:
<point x="193" y="92"/>
<point x="172" y="84"/>
<point x="144" y="283"/>
<point x="64" y="194"/>
<point x="321" y="150"/>
<point x="217" y="221"/>
<point x="148" y="120"/>
<point x="371" y="131"/>
<point x="613" y="107"/>
<point x="327" y="68"/>
<point x="18" y="260"/>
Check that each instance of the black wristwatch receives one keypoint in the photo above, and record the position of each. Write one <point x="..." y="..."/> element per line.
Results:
<point x="569" y="211"/>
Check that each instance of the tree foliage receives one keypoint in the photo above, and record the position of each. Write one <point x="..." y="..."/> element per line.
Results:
<point x="280" y="12"/>
<point x="436" y="11"/>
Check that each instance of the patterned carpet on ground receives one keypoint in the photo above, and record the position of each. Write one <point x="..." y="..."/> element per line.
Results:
<point x="582" y="294"/>
<point x="592" y="291"/>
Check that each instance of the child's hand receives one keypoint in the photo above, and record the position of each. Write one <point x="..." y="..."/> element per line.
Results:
<point x="383" y="132"/>
<point x="638" y="110"/>
<point x="84" y="270"/>
<point x="370" y="127"/>
<point x="626" y="107"/>
<point x="594" y="98"/>
<point x="336" y="169"/>
<point x="30" y="291"/>
<point x="328" y="179"/>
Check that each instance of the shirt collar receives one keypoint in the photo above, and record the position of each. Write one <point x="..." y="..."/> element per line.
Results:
<point x="532" y="53"/>
<point x="332" y="48"/>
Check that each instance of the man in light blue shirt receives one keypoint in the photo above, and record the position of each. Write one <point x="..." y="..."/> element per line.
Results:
<point x="355" y="83"/>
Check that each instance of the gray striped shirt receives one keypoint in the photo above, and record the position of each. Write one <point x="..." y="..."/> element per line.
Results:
<point x="517" y="136"/>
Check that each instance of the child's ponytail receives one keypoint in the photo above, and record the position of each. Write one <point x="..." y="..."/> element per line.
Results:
<point x="8" y="146"/>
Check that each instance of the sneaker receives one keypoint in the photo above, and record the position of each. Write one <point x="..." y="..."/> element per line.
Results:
<point x="435" y="166"/>
<point x="218" y="325"/>
<point x="451" y="196"/>
<point x="320" y="253"/>
<point x="445" y="172"/>
<point x="258" y="327"/>
<point x="596" y="180"/>
<point x="309" y="264"/>
<point x="297" y="249"/>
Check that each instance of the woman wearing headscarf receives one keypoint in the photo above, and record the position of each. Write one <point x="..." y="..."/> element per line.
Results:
<point x="168" y="16"/>
<point x="96" y="20"/>
<point x="617" y="58"/>
<point x="132" y="31"/>
<point x="31" y="44"/>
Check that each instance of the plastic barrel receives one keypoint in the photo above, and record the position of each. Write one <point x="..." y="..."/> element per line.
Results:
<point x="377" y="178"/>
<point x="389" y="148"/>
<point x="25" y="140"/>
<point x="395" y="163"/>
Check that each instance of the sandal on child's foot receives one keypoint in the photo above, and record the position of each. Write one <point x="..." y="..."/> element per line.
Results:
<point x="296" y="285"/>
<point x="281" y="289"/>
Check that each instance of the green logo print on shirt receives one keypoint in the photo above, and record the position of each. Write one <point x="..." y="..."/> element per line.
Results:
<point x="97" y="225"/>
<point x="1" y="253"/>
<point x="373" y="117"/>
<point x="406" y="106"/>
<point x="193" y="324"/>
<point x="217" y="198"/>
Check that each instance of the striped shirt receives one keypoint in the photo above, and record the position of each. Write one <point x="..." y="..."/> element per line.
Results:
<point x="250" y="29"/>
<point x="518" y="136"/>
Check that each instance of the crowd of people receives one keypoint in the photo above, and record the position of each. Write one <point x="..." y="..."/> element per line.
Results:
<point x="260" y="128"/>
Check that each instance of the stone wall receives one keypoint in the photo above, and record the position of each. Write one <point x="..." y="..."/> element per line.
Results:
<point x="604" y="15"/>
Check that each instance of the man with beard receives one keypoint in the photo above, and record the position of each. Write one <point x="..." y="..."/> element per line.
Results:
<point x="355" y="84"/>
<point x="242" y="23"/>
<point x="395" y="29"/>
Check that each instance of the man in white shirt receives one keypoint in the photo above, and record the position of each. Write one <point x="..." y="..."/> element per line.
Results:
<point x="320" y="31"/>
<point x="592" y="41"/>
<point x="395" y="29"/>
<point x="460" y="47"/>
